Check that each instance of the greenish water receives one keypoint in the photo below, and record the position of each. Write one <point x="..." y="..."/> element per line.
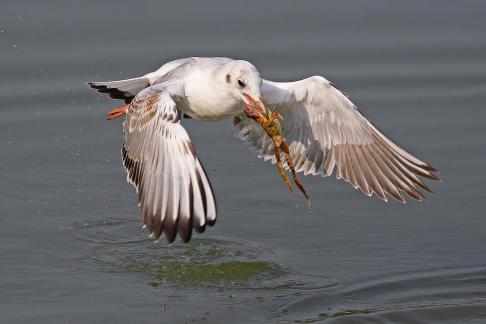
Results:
<point x="208" y="264"/>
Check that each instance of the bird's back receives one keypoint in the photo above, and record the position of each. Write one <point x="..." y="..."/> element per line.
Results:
<point x="172" y="72"/>
<point x="182" y="68"/>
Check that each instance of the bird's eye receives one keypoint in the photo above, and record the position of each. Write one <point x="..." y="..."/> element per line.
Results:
<point x="241" y="83"/>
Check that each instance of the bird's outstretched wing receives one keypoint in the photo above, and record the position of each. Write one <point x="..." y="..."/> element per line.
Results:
<point x="121" y="89"/>
<point x="174" y="192"/>
<point x="325" y="131"/>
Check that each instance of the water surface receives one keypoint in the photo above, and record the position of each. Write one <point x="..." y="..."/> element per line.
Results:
<point x="72" y="246"/>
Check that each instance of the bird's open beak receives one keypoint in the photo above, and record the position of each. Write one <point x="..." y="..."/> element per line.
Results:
<point x="254" y="104"/>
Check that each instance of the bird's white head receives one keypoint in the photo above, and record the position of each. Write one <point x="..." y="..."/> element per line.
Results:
<point x="243" y="81"/>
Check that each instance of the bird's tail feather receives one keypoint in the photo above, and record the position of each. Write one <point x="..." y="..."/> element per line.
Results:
<point x="121" y="89"/>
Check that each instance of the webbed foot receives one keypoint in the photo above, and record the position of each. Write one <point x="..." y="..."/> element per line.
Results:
<point x="117" y="112"/>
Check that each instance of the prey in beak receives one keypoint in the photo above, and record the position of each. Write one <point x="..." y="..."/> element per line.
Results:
<point x="252" y="106"/>
<point x="257" y="111"/>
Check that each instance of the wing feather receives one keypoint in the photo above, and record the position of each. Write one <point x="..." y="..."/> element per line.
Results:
<point x="326" y="133"/>
<point x="163" y="166"/>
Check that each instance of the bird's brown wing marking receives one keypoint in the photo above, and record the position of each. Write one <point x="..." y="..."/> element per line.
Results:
<point x="174" y="192"/>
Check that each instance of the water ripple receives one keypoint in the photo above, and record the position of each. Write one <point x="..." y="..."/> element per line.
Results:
<point x="435" y="296"/>
<point x="222" y="264"/>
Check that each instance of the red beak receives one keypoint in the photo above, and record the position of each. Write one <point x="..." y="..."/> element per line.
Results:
<point x="254" y="103"/>
<point x="250" y="99"/>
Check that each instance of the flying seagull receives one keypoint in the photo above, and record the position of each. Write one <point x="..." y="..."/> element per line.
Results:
<point x="323" y="129"/>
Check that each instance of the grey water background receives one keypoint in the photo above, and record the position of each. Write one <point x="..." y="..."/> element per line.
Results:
<point x="72" y="249"/>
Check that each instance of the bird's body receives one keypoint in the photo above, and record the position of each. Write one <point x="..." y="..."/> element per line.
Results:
<point x="323" y="129"/>
<point x="194" y="83"/>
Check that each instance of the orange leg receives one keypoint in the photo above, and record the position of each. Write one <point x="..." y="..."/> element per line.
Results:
<point x="117" y="112"/>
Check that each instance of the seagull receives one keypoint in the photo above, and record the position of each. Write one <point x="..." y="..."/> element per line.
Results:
<point x="324" y="130"/>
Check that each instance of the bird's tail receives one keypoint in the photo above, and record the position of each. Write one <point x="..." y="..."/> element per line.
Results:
<point x="122" y="89"/>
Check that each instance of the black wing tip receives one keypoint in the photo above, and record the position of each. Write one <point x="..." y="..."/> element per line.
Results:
<point x="415" y="193"/>
<point x="432" y="176"/>
<point x="112" y="92"/>
<point x="429" y="171"/>
<point x="186" y="237"/>
<point x="170" y="234"/>
<point x="429" y="167"/>
<point x="184" y="232"/>
<point x="202" y="229"/>
<point x="170" y="237"/>
<point x="95" y="86"/>
<point x="199" y="228"/>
